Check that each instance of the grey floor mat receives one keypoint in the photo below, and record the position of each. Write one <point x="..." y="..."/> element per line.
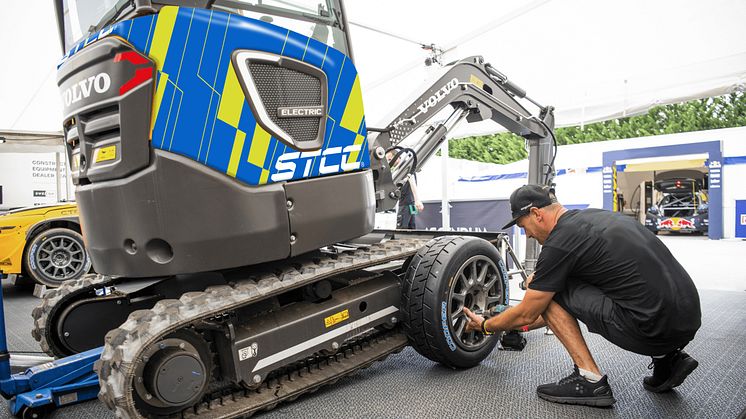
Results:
<point x="409" y="386"/>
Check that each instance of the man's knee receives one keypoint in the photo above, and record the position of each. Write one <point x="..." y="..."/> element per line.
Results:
<point x="555" y="312"/>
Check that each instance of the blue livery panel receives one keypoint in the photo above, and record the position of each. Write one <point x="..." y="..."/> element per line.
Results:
<point x="201" y="112"/>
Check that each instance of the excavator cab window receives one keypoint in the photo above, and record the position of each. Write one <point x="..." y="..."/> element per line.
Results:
<point x="322" y="20"/>
<point x="317" y="19"/>
<point x="82" y="17"/>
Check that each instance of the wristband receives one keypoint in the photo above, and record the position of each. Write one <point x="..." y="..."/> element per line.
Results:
<point x="524" y="329"/>
<point x="484" y="330"/>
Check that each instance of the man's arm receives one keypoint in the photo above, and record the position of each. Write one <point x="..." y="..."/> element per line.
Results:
<point x="527" y="312"/>
<point x="413" y="187"/>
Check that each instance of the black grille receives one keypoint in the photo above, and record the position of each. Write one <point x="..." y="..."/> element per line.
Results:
<point x="284" y="87"/>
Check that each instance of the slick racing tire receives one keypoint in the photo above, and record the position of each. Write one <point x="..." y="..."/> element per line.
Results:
<point x="55" y="256"/>
<point x="446" y="275"/>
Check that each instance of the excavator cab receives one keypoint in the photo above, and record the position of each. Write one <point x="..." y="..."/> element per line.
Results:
<point x="193" y="132"/>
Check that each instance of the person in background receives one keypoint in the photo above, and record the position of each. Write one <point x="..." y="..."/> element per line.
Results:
<point x="409" y="205"/>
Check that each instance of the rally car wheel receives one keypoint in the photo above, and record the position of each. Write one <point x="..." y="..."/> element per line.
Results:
<point x="446" y="275"/>
<point x="55" y="256"/>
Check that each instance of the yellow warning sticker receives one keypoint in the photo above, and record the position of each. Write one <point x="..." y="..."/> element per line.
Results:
<point x="476" y="81"/>
<point x="337" y="318"/>
<point x="106" y="153"/>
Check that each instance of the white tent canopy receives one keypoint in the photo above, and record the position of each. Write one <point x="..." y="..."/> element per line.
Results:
<point x="591" y="60"/>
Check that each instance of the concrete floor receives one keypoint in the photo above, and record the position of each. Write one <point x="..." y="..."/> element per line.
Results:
<point x="410" y="386"/>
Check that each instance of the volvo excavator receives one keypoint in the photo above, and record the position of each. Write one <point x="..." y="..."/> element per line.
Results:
<point x="228" y="182"/>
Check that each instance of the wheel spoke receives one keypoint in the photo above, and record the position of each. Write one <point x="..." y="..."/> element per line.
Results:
<point x="491" y="283"/>
<point x="464" y="281"/>
<point x="483" y="273"/>
<point x="493" y="299"/>
<point x="473" y="269"/>
<point x="460" y="329"/>
<point x="456" y="315"/>
<point x="460" y="297"/>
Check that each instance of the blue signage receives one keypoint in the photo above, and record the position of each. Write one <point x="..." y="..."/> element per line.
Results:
<point x="741" y="218"/>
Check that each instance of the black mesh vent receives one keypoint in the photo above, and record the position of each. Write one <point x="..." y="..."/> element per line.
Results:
<point x="280" y="87"/>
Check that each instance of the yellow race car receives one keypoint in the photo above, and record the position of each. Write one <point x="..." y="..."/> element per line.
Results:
<point x="43" y="243"/>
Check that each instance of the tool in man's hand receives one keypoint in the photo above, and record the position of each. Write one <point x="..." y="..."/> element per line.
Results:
<point x="510" y="341"/>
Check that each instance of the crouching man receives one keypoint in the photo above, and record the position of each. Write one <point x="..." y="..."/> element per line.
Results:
<point x="608" y="271"/>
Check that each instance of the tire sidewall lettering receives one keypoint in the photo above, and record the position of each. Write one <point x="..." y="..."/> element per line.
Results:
<point x="32" y="256"/>
<point x="446" y="327"/>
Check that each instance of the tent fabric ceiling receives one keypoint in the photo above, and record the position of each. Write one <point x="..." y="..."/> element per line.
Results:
<point x="591" y="60"/>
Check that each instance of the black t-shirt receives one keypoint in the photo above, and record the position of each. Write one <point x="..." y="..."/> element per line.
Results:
<point x="406" y="196"/>
<point x="628" y="263"/>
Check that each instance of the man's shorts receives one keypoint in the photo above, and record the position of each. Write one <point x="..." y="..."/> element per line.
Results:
<point x="606" y="318"/>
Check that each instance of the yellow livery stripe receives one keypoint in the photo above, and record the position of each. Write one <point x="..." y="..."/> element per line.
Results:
<point x="354" y="156"/>
<point x="259" y="146"/>
<point x="162" y="82"/>
<point x="353" y="114"/>
<point x="231" y="100"/>
<point x="236" y="153"/>
<point x="264" y="177"/>
<point x="162" y="37"/>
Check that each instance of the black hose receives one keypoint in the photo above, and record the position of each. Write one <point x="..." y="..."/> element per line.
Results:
<point x="550" y="166"/>
<point x="402" y="150"/>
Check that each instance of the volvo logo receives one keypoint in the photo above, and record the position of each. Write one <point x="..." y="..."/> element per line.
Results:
<point x="100" y="83"/>
<point x="438" y="96"/>
<point x="300" y="111"/>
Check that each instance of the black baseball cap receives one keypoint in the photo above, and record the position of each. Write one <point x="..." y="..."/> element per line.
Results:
<point x="527" y="197"/>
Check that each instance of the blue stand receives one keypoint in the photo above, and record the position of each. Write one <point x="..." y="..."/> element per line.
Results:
<point x="39" y="389"/>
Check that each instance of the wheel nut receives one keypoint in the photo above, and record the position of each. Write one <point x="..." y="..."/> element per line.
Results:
<point x="257" y="379"/>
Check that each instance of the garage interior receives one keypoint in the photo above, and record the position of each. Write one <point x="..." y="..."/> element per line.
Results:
<point x="635" y="190"/>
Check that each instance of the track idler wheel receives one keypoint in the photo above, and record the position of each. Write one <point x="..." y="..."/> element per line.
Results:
<point x="448" y="274"/>
<point x="173" y="375"/>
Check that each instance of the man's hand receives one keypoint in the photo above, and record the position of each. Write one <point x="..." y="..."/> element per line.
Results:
<point x="475" y="321"/>
<point x="419" y="205"/>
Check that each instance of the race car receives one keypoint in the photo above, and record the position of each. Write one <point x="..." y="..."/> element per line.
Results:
<point x="683" y="207"/>
<point x="43" y="243"/>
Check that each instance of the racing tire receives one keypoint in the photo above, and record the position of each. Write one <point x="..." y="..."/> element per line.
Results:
<point x="434" y="291"/>
<point x="56" y="255"/>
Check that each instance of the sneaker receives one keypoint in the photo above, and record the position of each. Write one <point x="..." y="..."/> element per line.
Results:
<point x="669" y="371"/>
<point x="575" y="389"/>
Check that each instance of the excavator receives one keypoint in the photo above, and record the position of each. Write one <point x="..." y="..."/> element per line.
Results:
<point x="228" y="184"/>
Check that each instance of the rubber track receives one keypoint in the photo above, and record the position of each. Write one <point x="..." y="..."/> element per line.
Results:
<point x="68" y="290"/>
<point x="125" y="344"/>
<point x="426" y="264"/>
<point x="302" y="377"/>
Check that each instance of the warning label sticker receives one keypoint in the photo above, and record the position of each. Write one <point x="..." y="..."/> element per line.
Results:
<point x="337" y="318"/>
